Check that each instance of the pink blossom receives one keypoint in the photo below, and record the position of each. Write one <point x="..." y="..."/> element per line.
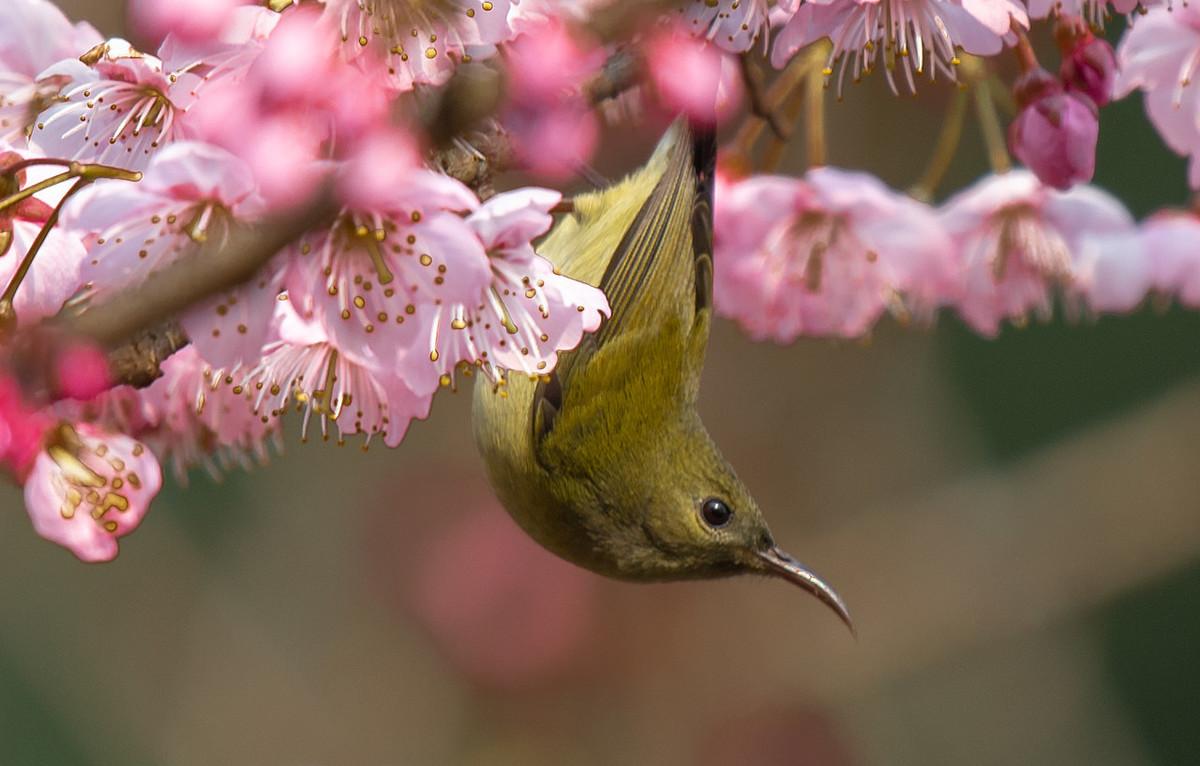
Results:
<point x="1170" y="244"/>
<point x="913" y="37"/>
<point x="691" y="77"/>
<point x="192" y="194"/>
<point x="368" y="276"/>
<point x="308" y="370"/>
<point x="1019" y="239"/>
<point x="548" y="62"/>
<point x="554" y="142"/>
<point x="196" y="416"/>
<point x="1055" y="132"/>
<point x="34" y="35"/>
<point x="419" y="48"/>
<point x="188" y="20"/>
<point x="120" y="107"/>
<point x="90" y="487"/>
<point x="824" y="255"/>
<point x="1160" y="55"/>
<point x="527" y="312"/>
<point x="734" y="25"/>
<point x="526" y="15"/>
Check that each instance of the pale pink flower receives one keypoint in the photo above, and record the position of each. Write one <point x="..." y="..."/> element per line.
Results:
<point x="54" y="275"/>
<point x="421" y="43"/>
<point x="1171" y="242"/>
<point x="525" y="15"/>
<point x="1160" y="55"/>
<point x="554" y="141"/>
<point x="1018" y="240"/>
<point x="910" y="38"/>
<point x="202" y="417"/>
<point x="34" y="35"/>
<point x="1055" y="133"/>
<point x="308" y="370"/>
<point x="192" y="194"/>
<point x="734" y="25"/>
<point x="526" y="313"/>
<point x="229" y="52"/>
<point x="119" y="108"/>
<point x="691" y="77"/>
<point x="90" y="487"/>
<point x="373" y="271"/>
<point x="825" y="255"/>
<point x="549" y="61"/>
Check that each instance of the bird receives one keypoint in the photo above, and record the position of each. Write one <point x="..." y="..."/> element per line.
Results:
<point x="605" y="461"/>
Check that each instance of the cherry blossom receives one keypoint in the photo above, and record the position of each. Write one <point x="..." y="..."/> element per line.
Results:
<point x="307" y="369"/>
<point x="119" y="107"/>
<point x="824" y="255"/>
<point x="734" y="25"/>
<point x="1055" y="132"/>
<point x="1019" y="239"/>
<point x="34" y="35"/>
<point x="709" y="92"/>
<point x="910" y="37"/>
<point x="1169" y="241"/>
<point x="1160" y="55"/>
<point x="88" y="488"/>
<point x="421" y="42"/>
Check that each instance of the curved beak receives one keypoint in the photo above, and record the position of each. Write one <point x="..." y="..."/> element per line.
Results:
<point x="783" y="565"/>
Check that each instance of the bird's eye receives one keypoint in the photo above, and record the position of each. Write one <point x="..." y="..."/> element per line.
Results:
<point x="715" y="513"/>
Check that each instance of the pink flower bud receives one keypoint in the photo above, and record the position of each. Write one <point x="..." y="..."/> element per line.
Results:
<point x="1089" y="66"/>
<point x="1055" y="133"/>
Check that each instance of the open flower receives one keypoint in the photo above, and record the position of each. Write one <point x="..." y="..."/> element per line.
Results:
<point x="1160" y="54"/>
<point x="88" y="488"/>
<point x="1019" y="240"/>
<point x="192" y="194"/>
<point x="734" y="25"/>
<point x="423" y="41"/>
<point x="1170" y="242"/>
<point x="526" y="313"/>
<point x="825" y="255"/>
<point x="308" y="370"/>
<point x="121" y="105"/>
<point x="910" y="38"/>
<point x="34" y="35"/>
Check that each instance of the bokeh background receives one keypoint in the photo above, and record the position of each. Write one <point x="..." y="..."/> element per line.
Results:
<point x="1015" y="524"/>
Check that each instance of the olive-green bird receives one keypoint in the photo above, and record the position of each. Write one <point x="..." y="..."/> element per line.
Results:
<point x="605" y="462"/>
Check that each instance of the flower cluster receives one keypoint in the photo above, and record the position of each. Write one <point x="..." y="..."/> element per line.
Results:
<point x="119" y="167"/>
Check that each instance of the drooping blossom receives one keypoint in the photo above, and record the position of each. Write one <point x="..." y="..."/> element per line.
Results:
<point x="825" y="255"/>
<point x="1056" y="130"/>
<point x="34" y="35"/>
<point x="733" y="25"/>
<point x="1019" y="240"/>
<point x="421" y="42"/>
<point x="910" y="38"/>
<point x="308" y="370"/>
<point x="54" y="275"/>
<point x="88" y="488"/>
<point x="192" y="194"/>
<point x="198" y="416"/>
<point x="1170" y="243"/>
<point x="1160" y="55"/>
<point x="526" y="312"/>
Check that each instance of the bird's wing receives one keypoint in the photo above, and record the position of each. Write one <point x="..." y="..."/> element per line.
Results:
<point x="659" y="273"/>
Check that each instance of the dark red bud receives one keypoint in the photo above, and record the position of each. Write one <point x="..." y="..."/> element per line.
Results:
<point x="1090" y="67"/>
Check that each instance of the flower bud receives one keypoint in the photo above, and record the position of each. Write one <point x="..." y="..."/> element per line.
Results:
<point x="1089" y="66"/>
<point x="1056" y="131"/>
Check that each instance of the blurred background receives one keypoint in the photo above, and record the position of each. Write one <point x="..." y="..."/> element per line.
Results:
<point x="1015" y="524"/>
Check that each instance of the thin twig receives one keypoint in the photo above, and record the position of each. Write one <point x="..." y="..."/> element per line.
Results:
<point x="752" y="78"/>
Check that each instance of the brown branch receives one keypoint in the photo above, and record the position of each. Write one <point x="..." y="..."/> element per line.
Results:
<point x="137" y="362"/>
